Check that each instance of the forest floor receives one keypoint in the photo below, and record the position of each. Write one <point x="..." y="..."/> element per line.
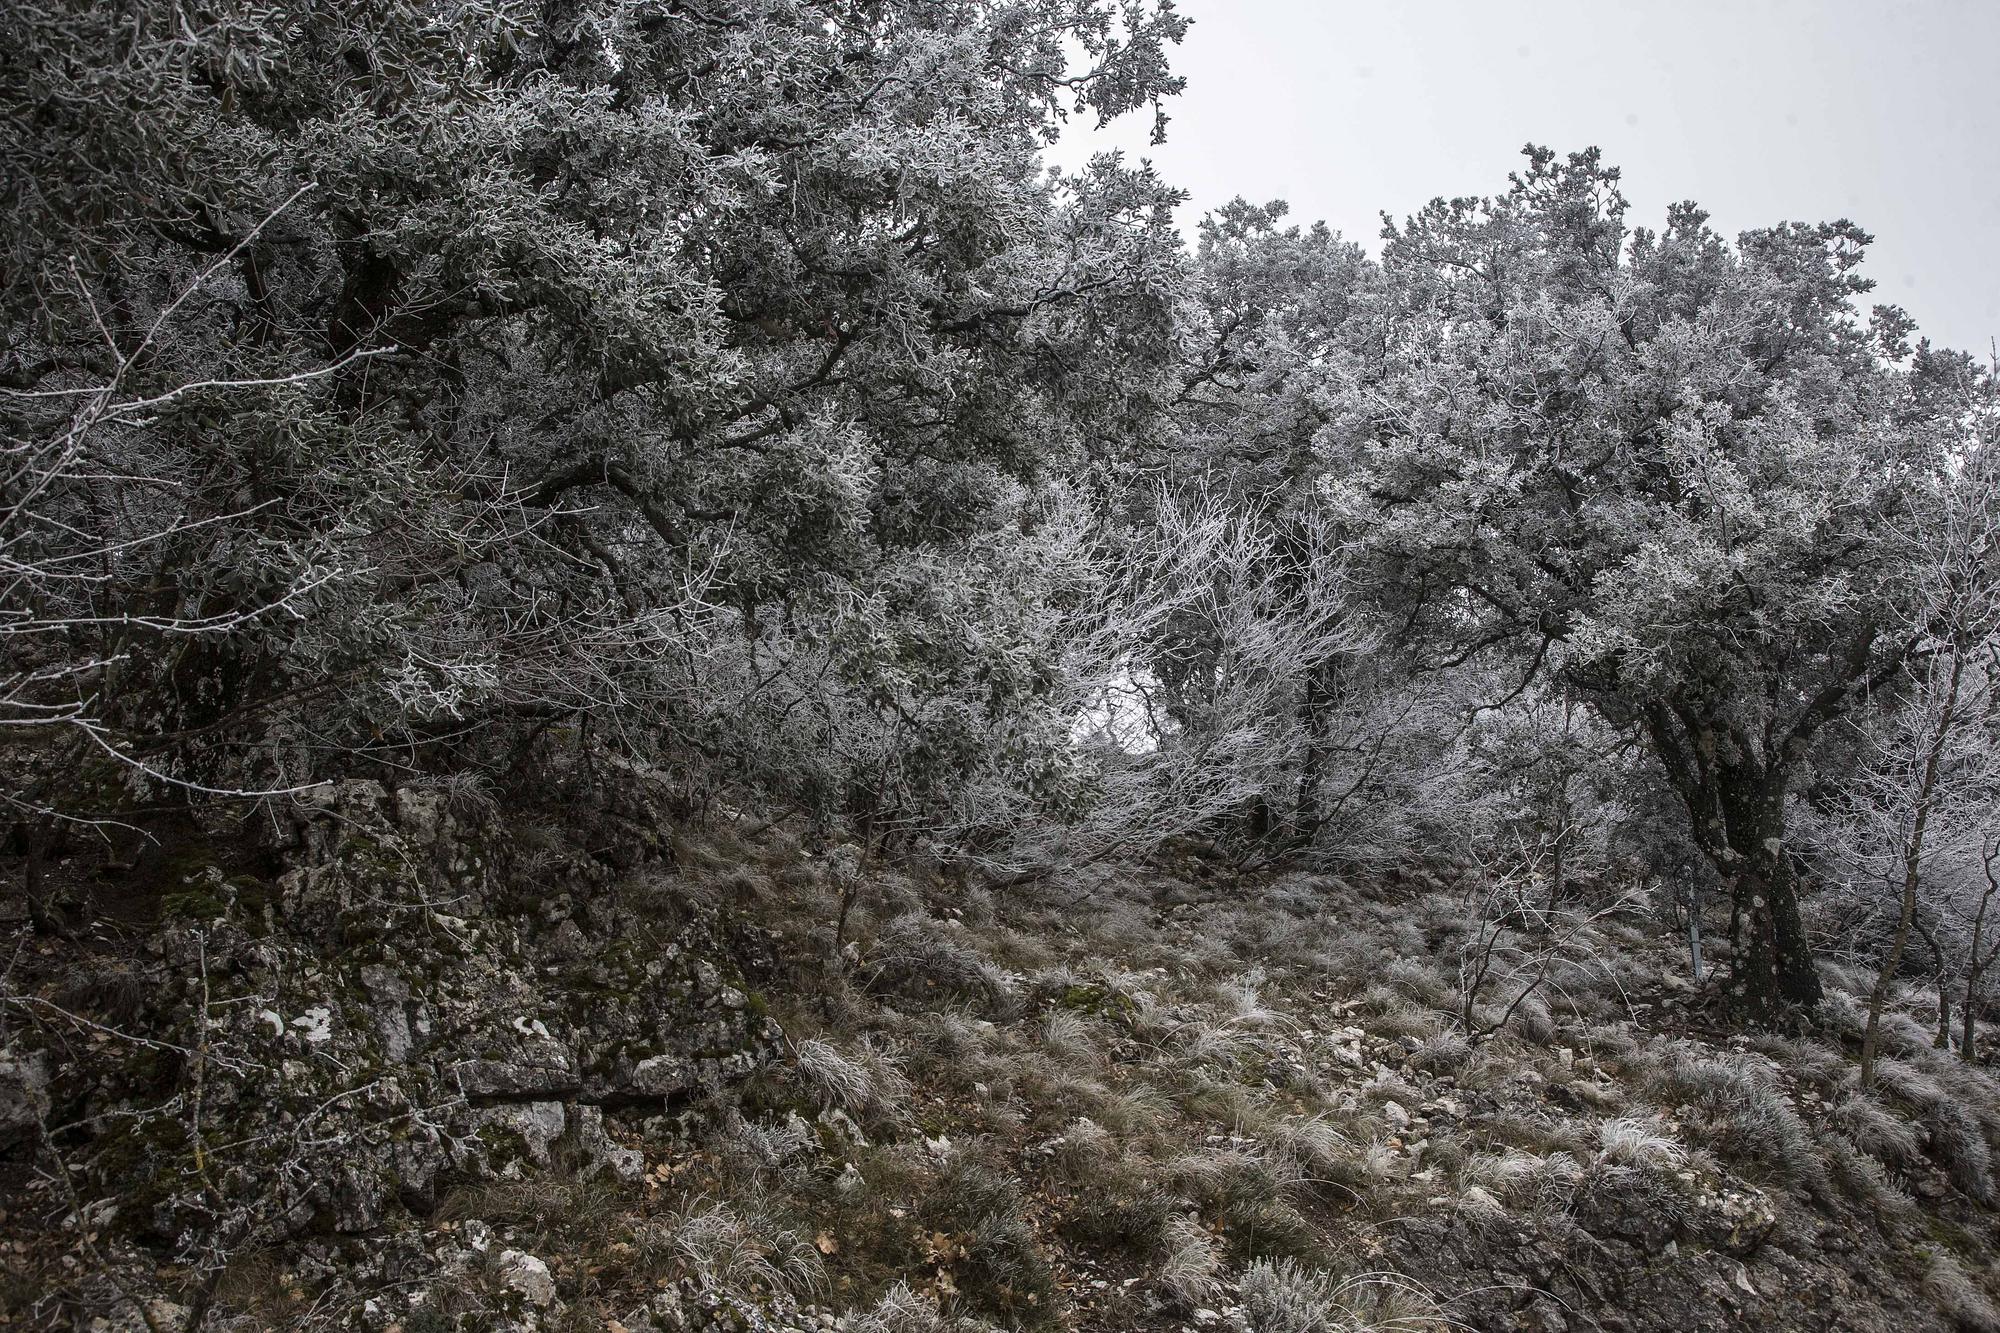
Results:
<point x="1176" y="1097"/>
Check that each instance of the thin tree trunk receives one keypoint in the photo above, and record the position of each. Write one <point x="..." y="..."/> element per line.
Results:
<point x="1879" y="996"/>
<point x="1913" y="857"/>
<point x="1975" y="962"/>
<point x="1312" y="772"/>
<point x="1942" y="1041"/>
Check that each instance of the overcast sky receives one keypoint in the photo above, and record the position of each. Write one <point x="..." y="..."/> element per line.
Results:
<point x="1760" y="110"/>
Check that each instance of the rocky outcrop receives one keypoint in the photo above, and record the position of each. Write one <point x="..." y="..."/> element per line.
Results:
<point x="410" y="1003"/>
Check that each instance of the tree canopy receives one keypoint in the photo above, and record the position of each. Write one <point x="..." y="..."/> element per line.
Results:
<point x="409" y="388"/>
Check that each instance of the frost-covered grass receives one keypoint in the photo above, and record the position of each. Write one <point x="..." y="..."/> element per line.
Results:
<point x="1159" y="1099"/>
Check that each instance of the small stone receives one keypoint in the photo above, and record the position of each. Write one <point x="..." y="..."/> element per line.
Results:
<point x="602" y="1151"/>
<point x="662" y="1076"/>
<point x="528" y="1277"/>
<point x="537" y="1124"/>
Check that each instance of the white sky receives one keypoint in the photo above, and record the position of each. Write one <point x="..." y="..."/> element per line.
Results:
<point x="1760" y="110"/>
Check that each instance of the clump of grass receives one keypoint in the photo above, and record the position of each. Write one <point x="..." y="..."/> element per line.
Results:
<point x="1395" y="1014"/>
<point x="1957" y="1138"/>
<point x="1191" y="1262"/>
<point x="1520" y="1179"/>
<point x="1134" y="1109"/>
<point x="1866" y="1179"/>
<point x="1633" y="1141"/>
<point x="1442" y="1053"/>
<point x="1736" y="1108"/>
<point x="251" y="1285"/>
<point x="727" y="1248"/>
<point x="1124" y="1209"/>
<point x="1953" y="1291"/>
<point x="1972" y="1087"/>
<point x="829" y="1077"/>
<point x="1875" y="1130"/>
<point x="1082" y="1148"/>
<point x="1532" y="1022"/>
<point x="995" y="1256"/>
<point x="1809" y="1062"/>
<point x="756" y="1149"/>
<point x="1421" y="981"/>
<point x="1311" y="1150"/>
<point x="1287" y="1297"/>
<point x="923" y="959"/>
<point x="904" y="1311"/>
<point x="865" y="1083"/>
<point x="113" y="991"/>
<point x="547" y="1207"/>
<point x="1072" y="1036"/>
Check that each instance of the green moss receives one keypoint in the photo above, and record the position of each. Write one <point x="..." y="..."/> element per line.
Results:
<point x="197" y="902"/>
<point x="1955" y="1238"/>
<point x="503" y="1145"/>
<point x="252" y="895"/>
<point x="1099" y="1002"/>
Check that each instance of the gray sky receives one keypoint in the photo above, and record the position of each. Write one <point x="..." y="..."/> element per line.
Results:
<point x="1760" y="110"/>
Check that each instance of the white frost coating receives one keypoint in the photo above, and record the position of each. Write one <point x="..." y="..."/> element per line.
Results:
<point x="315" y="1024"/>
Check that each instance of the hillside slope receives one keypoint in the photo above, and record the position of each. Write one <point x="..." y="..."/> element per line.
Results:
<point x="456" y="1073"/>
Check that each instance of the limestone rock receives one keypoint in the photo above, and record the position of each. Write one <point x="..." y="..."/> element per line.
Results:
<point x="603" y="1153"/>
<point x="527" y="1277"/>
<point x="535" y="1125"/>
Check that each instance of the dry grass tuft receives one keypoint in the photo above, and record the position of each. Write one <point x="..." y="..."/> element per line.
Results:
<point x="1958" y="1139"/>
<point x="1735" y="1106"/>
<point x="1947" y="1283"/>
<point x="1875" y="1130"/>
<point x="1633" y="1141"/>
<point x="1191" y="1266"/>
<point x="728" y="1248"/>
<point x="904" y="1311"/>
<point x="1287" y="1297"/>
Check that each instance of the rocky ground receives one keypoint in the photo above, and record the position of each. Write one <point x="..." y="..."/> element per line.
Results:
<point x="415" y="1066"/>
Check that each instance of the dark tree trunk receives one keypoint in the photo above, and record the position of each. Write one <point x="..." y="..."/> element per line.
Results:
<point x="1736" y="811"/>
<point x="1312" y="771"/>
<point x="1773" y="963"/>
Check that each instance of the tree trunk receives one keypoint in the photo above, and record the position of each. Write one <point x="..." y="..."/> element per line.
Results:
<point x="1878" y="997"/>
<point x="1312" y="770"/>
<point x="1939" y="967"/>
<point x="1774" y="963"/>
<point x="1925" y="800"/>
<point x="1734" y="793"/>
<point x="1772" y="966"/>
<point x="1975" y="961"/>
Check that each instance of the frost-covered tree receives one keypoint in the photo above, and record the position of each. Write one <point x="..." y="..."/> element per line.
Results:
<point x="399" y="384"/>
<point x="1275" y="678"/>
<point x="1670" y="470"/>
<point x="1906" y="829"/>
